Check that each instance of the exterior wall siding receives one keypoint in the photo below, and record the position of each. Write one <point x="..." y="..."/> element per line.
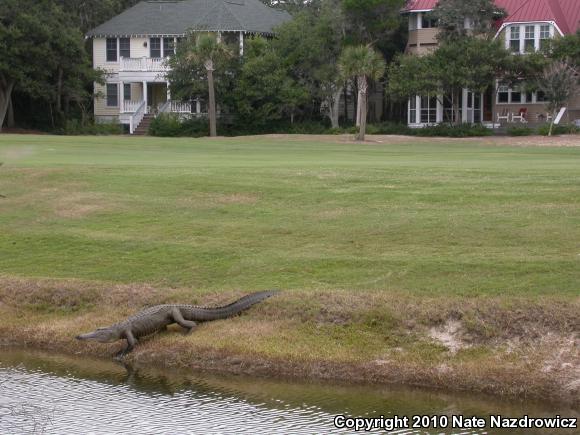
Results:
<point x="100" y="56"/>
<point x="136" y="91"/>
<point x="101" y="108"/>
<point x="139" y="47"/>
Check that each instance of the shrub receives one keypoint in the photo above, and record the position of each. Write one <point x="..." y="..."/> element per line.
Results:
<point x="519" y="131"/>
<point x="558" y="129"/>
<point x="443" y="130"/>
<point x="73" y="127"/>
<point x="171" y="125"/>
<point x="450" y="130"/>
<point x="390" y="128"/>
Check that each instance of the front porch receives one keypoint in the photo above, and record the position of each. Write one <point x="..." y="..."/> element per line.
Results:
<point x="472" y="108"/>
<point x="149" y="99"/>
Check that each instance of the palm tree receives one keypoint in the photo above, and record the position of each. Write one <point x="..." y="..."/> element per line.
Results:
<point x="361" y="62"/>
<point x="207" y="51"/>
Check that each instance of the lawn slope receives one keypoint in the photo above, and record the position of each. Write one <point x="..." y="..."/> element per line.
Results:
<point x="430" y="262"/>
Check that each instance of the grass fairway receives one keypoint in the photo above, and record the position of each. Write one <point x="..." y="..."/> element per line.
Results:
<point x="253" y="213"/>
<point x="454" y="225"/>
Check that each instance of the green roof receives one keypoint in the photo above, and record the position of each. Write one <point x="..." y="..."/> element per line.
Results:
<point x="178" y="17"/>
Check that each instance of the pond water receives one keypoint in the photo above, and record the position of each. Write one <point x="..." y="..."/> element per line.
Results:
<point x="59" y="394"/>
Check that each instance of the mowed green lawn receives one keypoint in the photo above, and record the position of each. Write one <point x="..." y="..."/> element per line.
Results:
<point x="435" y="217"/>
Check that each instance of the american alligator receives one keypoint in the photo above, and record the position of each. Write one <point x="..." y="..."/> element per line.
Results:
<point x="157" y="318"/>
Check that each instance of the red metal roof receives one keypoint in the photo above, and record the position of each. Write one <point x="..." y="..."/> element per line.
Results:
<point x="565" y="13"/>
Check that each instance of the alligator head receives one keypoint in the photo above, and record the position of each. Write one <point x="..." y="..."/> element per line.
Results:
<point x="102" y="335"/>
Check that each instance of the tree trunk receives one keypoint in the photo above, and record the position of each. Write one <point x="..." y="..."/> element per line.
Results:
<point x="346" y="104"/>
<point x="493" y="106"/>
<point x="355" y="103"/>
<point x="363" y="94"/>
<point x="552" y="123"/>
<point x="10" y="123"/>
<point x="334" y="106"/>
<point x="211" y="91"/>
<point x="358" y="106"/>
<point x="5" y="96"/>
<point x="457" y="117"/>
<point x="59" y="91"/>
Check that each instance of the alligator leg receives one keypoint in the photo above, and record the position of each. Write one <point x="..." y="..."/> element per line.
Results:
<point x="130" y="345"/>
<point x="178" y="318"/>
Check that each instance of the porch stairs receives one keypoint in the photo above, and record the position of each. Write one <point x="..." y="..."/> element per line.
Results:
<point x="143" y="127"/>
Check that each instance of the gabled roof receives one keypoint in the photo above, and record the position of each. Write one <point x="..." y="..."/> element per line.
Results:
<point x="177" y="17"/>
<point x="565" y="13"/>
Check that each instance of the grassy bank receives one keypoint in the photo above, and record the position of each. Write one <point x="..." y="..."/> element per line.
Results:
<point x="429" y="262"/>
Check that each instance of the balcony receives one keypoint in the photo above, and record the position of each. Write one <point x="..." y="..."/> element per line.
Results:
<point x="143" y="64"/>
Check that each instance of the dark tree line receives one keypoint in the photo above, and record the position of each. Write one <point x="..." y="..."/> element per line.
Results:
<point x="46" y="74"/>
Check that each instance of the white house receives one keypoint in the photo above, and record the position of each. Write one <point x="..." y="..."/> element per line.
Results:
<point x="132" y="48"/>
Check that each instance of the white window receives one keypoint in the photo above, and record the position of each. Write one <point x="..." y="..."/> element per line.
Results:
<point x="125" y="47"/>
<point x="428" y="21"/>
<point x="515" y="39"/>
<point x="413" y="21"/>
<point x="111" y="49"/>
<point x="155" y="47"/>
<point x="112" y="95"/>
<point x="503" y="94"/>
<point x="516" y="95"/>
<point x="530" y="39"/>
<point x="428" y="110"/>
<point x="544" y="34"/>
<point x="413" y="110"/>
<point x="540" y="97"/>
<point x="168" y="47"/>
<point x="506" y="95"/>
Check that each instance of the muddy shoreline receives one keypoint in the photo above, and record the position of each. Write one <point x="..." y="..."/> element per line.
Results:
<point x="513" y="348"/>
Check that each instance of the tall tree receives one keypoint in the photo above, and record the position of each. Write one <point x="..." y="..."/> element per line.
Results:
<point x="460" y="18"/>
<point x="362" y="63"/>
<point x="372" y="21"/>
<point x="265" y="91"/>
<point x="311" y="56"/>
<point x="559" y="83"/>
<point x="566" y="49"/>
<point x="26" y="58"/>
<point x="42" y="56"/>
<point x="202" y="52"/>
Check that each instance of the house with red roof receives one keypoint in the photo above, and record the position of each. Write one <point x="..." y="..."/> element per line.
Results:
<point x="526" y="27"/>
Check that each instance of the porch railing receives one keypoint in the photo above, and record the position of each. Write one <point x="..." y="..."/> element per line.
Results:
<point x="165" y="107"/>
<point x="180" y="107"/>
<point x="175" y="107"/>
<point x="137" y="117"/>
<point x="130" y="106"/>
<point x="154" y="64"/>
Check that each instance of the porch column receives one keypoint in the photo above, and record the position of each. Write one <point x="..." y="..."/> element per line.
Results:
<point x="168" y="93"/>
<point x="122" y="97"/>
<point x="145" y="94"/>
<point x="241" y="43"/>
<point x="464" y="106"/>
<point x="439" y="115"/>
<point x="197" y="106"/>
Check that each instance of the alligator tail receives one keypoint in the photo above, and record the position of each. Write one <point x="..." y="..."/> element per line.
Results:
<point x="234" y="308"/>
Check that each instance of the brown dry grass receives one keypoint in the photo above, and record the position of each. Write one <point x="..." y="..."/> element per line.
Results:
<point x="505" y="346"/>
<point x="527" y="141"/>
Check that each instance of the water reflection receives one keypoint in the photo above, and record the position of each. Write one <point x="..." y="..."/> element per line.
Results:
<point x="46" y="393"/>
